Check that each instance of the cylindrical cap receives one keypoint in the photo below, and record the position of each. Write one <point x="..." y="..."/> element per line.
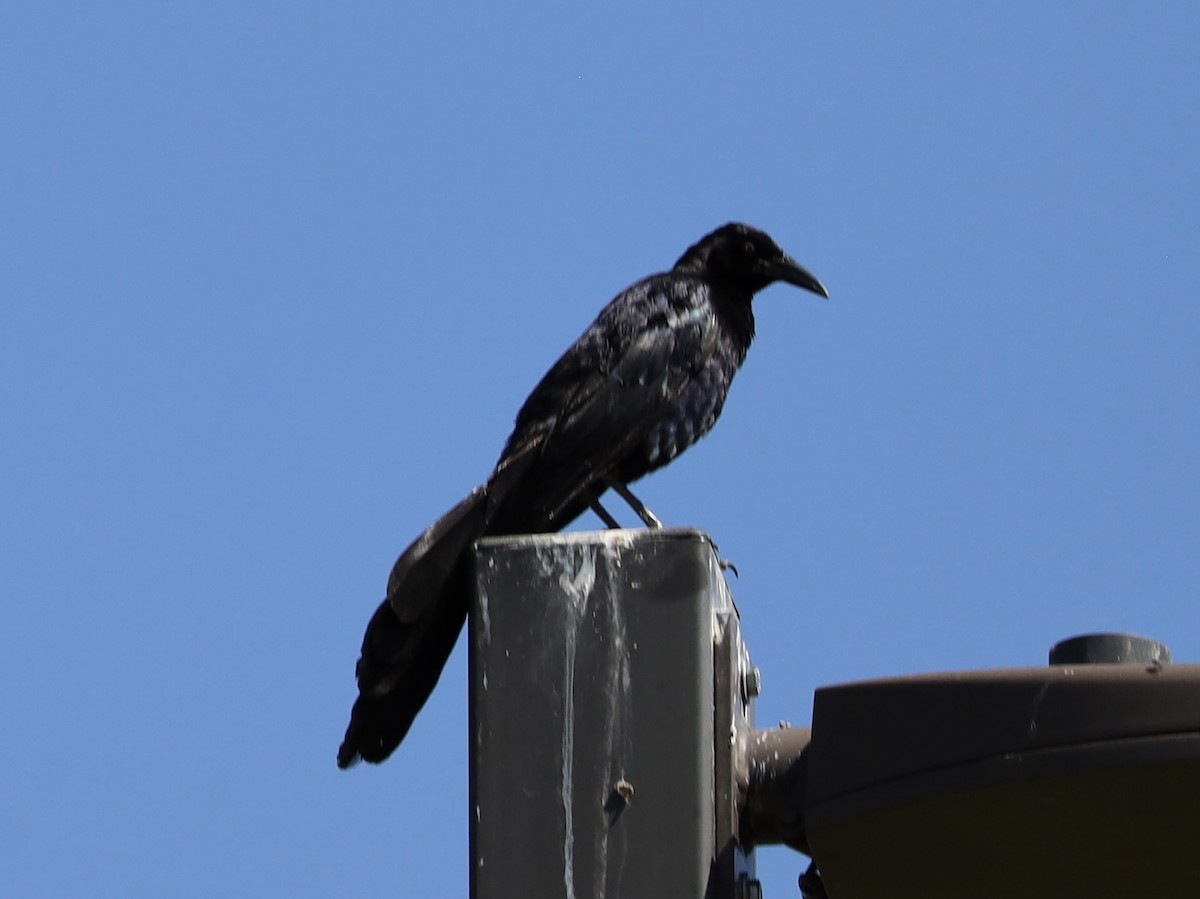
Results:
<point x="1109" y="649"/>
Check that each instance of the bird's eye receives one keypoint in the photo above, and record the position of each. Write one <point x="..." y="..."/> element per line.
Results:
<point x="749" y="248"/>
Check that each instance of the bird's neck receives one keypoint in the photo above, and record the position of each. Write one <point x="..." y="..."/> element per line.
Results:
<point x="738" y="316"/>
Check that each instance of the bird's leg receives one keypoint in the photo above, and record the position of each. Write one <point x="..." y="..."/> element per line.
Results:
<point x="602" y="514"/>
<point x="651" y="520"/>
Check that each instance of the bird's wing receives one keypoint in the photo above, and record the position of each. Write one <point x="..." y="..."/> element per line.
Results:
<point x="599" y="402"/>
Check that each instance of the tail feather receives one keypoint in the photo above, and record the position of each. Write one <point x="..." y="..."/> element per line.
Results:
<point x="413" y="632"/>
<point x="423" y="569"/>
<point x="391" y="695"/>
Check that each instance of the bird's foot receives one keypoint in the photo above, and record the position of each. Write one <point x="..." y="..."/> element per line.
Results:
<point x="648" y="518"/>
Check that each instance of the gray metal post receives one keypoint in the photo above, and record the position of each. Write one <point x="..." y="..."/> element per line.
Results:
<point x="601" y="761"/>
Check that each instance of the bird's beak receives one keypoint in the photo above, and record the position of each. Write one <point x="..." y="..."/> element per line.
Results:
<point x="788" y="269"/>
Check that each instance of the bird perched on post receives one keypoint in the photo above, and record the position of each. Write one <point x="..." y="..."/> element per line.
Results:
<point x="644" y="382"/>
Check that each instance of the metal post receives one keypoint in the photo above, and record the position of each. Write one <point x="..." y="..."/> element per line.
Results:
<point x="600" y="764"/>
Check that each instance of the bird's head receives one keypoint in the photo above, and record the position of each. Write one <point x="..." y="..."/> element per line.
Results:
<point x="746" y="257"/>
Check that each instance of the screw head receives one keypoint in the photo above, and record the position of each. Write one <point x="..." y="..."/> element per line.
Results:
<point x="752" y="682"/>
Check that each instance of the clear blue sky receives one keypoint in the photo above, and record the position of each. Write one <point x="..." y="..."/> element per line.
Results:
<point x="276" y="277"/>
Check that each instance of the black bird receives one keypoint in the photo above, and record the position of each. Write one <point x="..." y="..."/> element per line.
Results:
<point x="644" y="382"/>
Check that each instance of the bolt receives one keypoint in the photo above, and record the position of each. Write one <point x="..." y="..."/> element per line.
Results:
<point x="752" y="682"/>
<point x="624" y="789"/>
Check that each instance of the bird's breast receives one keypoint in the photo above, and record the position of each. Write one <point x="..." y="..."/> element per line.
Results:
<point x="692" y="416"/>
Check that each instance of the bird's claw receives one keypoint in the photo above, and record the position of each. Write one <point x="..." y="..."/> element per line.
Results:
<point x="648" y="518"/>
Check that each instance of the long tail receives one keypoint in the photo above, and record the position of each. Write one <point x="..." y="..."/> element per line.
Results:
<point x="413" y="631"/>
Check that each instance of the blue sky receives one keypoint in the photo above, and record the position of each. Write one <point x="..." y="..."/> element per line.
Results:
<point x="276" y="279"/>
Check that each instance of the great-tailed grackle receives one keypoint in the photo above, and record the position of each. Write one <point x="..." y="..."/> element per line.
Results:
<point x="644" y="382"/>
